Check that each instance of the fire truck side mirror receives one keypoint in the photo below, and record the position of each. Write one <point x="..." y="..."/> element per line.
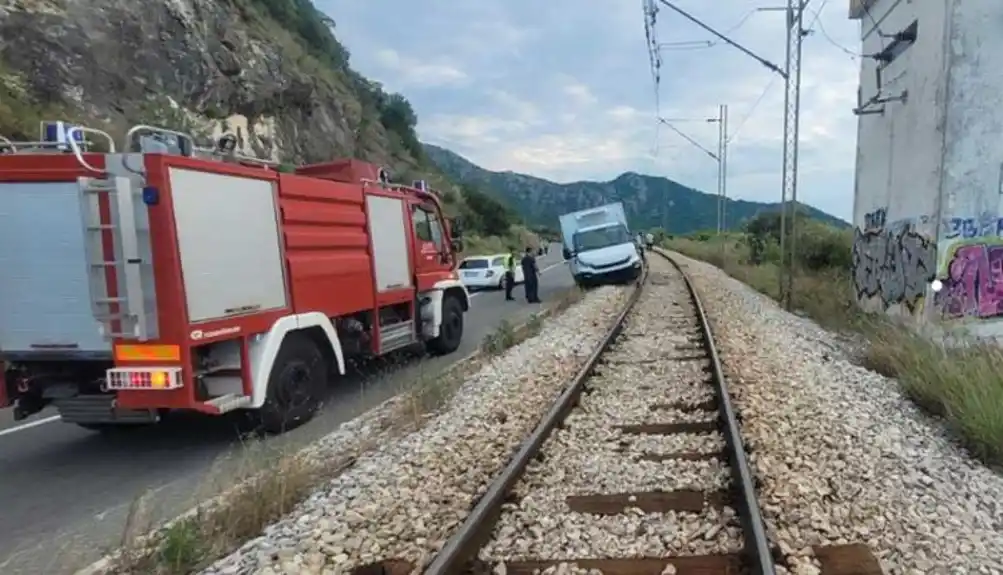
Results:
<point x="456" y="226"/>
<point x="457" y="245"/>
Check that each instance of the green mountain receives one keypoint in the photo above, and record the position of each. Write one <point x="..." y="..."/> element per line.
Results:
<point x="649" y="201"/>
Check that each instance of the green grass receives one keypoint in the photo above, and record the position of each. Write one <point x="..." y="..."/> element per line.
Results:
<point x="962" y="384"/>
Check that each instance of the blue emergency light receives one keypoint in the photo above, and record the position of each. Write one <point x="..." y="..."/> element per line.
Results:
<point x="56" y="133"/>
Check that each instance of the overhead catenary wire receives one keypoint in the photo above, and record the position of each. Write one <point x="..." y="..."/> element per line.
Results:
<point x="683" y="135"/>
<point x="825" y="34"/>
<point x="683" y="45"/>
<point x="751" y="110"/>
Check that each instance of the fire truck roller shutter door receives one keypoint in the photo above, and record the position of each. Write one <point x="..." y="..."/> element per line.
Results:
<point x="264" y="348"/>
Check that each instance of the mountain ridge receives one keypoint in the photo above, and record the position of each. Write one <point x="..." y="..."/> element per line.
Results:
<point x="650" y="201"/>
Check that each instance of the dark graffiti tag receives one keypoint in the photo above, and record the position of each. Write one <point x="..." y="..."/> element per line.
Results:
<point x="893" y="265"/>
<point x="974" y="283"/>
<point x="875" y="220"/>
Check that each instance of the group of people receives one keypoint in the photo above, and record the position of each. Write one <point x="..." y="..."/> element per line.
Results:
<point x="531" y="275"/>
<point x="645" y="241"/>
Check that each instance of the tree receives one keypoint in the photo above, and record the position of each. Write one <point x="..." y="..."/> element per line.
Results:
<point x="486" y="214"/>
<point x="397" y="114"/>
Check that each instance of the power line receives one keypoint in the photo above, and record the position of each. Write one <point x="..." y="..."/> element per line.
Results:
<point x="752" y="109"/>
<point x="830" y="39"/>
<point x="683" y="45"/>
<point x="688" y="139"/>
<point x="654" y="56"/>
<point x="723" y="37"/>
<point x="877" y="28"/>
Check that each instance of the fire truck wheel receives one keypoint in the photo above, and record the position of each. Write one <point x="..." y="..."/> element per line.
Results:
<point x="451" y="330"/>
<point x="295" y="385"/>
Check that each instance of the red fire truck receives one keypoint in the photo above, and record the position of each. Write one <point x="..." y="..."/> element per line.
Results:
<point x="169" y="277"/>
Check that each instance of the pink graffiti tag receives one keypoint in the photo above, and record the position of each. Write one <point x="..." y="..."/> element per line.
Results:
<point x="974" y="286"/>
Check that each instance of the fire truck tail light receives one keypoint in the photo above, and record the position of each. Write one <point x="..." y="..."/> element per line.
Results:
<point x="140" y="378"/>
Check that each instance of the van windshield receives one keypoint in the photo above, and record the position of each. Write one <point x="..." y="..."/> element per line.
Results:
<point x="600" y="238"/>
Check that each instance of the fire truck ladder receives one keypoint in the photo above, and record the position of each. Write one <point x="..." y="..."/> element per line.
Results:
<point x="122" y="314"/>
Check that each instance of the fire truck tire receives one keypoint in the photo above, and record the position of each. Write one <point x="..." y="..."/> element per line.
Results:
<point x="296" y="386"/>
<point x="451" y="330"/>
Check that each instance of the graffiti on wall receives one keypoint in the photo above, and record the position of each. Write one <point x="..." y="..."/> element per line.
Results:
<point x="983" y="225"/>
<point x="875" y="220"/>
<point x="892" y="263"/>
<point x="973" y="280"/>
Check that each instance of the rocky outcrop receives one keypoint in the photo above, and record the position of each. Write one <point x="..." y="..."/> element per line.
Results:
<point x="201" y="66"/>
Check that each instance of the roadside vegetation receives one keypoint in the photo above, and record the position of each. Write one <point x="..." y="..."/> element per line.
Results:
<point x="959" y="383"/>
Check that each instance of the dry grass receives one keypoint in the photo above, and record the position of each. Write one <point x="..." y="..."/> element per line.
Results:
<point x="277" y="481"/>
<point x="962" y="384"/>
<point x="271" y="483"/>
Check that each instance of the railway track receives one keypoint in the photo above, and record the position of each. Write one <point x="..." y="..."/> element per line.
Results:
<point x="638" y="468"/>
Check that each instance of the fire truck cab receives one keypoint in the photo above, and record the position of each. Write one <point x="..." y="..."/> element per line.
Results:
<point x="172" y="277"/>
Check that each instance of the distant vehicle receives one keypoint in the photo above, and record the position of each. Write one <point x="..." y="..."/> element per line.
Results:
<point x="599" y="247"/>
<point x="196" y="279"/>
<point x="487" y="272"/>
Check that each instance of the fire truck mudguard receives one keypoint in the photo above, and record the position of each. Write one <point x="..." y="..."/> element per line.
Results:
<point x="443" y="315"/>
<point x="265" y="349"/>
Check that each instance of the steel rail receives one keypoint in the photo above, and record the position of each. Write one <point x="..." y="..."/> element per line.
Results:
<point x="757" y="546"/>
<point x="474" y="531"/>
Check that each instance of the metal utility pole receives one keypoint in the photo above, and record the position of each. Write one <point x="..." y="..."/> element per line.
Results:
<point x="792" y="119"/>
<point x="720" y="157"/>
<point x="791" y="73"/>
<point x="720" y="168"/>
<point x="723" y="124"/>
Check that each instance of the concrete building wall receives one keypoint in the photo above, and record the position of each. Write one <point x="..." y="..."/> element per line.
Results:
<point x="970" y="247"/>
<point x="929" y="181"/>
<point x="899" y="157"/>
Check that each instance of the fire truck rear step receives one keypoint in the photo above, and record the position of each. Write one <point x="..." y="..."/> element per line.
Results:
<point x="101" y="409"/>
<point x="229" y="402"/>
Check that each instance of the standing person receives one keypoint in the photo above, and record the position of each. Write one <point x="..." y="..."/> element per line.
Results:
<point x="509" y="274"/>
<point x="650" y="240"/>
<point x="531" y="276"/>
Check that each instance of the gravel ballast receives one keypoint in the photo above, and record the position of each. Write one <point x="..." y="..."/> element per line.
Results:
<point x="402" y="500"/>
<point x="842" y="456"/>
<point x="652" y="363"/>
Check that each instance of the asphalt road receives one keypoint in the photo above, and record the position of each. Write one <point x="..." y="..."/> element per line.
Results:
<point x="65" y="492"/>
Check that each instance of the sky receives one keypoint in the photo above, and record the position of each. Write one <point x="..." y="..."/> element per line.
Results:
<point x="563" y="89"/>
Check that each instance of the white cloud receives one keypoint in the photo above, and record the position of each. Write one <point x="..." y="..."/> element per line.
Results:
<point x="412" y="72"/>
<point x="562" y="89"/>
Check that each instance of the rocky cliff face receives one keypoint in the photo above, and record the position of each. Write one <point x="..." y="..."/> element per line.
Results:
<point x="201" y="66"/>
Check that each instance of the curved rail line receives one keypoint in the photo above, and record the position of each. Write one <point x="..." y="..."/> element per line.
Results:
<point x="463" y="546"/>
<point x="459" y="553"/>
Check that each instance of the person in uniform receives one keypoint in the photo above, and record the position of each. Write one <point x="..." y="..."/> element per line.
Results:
<point x="509" y="274"/>
<point x="531" y="279"/>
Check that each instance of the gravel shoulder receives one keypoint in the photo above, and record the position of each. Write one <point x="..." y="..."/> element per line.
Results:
<point x="842" y="456"/>
<point x="403" y="499"/>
